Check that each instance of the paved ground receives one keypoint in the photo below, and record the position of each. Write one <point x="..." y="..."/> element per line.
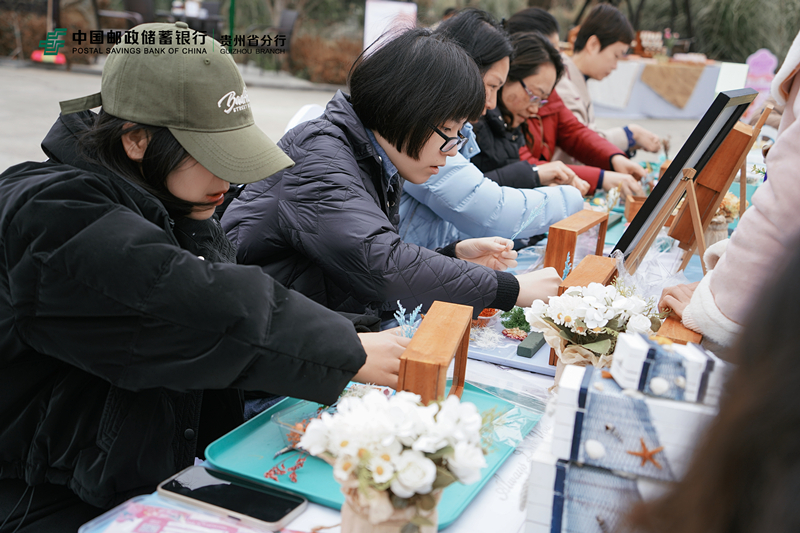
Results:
<point x="29" y="96"/>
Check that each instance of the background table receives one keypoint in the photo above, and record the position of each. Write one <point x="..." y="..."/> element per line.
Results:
<point x="623" y="94"/>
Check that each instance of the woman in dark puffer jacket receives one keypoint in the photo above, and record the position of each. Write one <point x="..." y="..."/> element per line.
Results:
<point x="327" y="227"/>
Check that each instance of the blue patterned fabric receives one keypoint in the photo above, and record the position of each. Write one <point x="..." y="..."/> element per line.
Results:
<point x="592" y="500"/>
<point x="618" y="422"/>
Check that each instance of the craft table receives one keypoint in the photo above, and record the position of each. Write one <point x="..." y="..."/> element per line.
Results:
<point x="500" y="506"/>
<point x="686" y="91"/>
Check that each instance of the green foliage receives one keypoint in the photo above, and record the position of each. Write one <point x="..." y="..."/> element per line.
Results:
<point x="729" y="30"/>
<point x="515" y="319"/>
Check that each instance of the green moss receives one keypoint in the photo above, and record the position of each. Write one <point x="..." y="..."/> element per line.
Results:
<point x="515" y="319"/>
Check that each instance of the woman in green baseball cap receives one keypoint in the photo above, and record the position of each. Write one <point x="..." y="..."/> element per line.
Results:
<point x="127" y="333"/>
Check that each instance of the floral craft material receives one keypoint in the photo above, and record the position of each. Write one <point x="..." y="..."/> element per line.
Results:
<point x="408" y="326"/>
<point x="515" y="319"/>
<point x="485" y="317"/>
<point x="518" y="334"/>
<point x="729" y="207"/>
<point x="280" y="469"/>
<point x="485" y="337"/>
<point x="392" y="456"/>
<point x="582" y="325"/>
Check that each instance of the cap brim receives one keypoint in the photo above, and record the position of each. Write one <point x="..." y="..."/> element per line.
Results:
<point x="243" y="155"/>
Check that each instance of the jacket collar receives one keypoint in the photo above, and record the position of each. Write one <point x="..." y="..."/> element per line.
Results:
<point x="553" y="105"/>
<point x="340" y="113"/>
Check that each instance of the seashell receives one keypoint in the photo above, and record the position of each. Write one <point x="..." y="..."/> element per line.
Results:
<point x="599" y="386"/>
<point x="680" y="382"/>
<point x="595" y="449"/>
<point x="659" y="386"/>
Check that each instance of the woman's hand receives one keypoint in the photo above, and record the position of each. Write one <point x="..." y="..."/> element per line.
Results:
<point x="538" y="285"/>
<point x="622" y="164"/>
<point x="496" y="253"/>
<point x="383" y="358"/>
<point x="627" y="185"/>
<point x="581" y="185"/>
<point x="646" y="140"/>
<point x="555" y="173"/>
<point x="676" y="298"/>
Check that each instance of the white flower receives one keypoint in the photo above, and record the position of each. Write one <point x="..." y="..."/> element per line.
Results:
<point x="639" y="324"/>
<point x="344" y="467"/>
<point x="381" y="468"/>
<point x="594" y="319"/>
<point x="415" y="474"/>
<point x="466" y="462"/>
<point x="315" y="437"/>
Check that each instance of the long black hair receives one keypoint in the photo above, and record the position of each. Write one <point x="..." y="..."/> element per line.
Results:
<point x="480" y="35"/>
<point x="102" y="144"/>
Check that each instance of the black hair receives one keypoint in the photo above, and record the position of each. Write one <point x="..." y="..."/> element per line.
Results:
<point x="480" y="35"/>
<point x="532" y="19"/>
<point x="608" y="24"/>
<point x="102" y="144"/>
<point x="531" y="50"/>
<point x="414" y="81"/>
<point x="449" y="12"/>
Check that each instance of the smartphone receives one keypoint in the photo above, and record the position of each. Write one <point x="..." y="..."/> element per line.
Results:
<point x="254" y="505"/>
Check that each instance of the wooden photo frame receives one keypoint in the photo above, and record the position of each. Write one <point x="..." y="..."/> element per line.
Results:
<point x="709" y="134"/>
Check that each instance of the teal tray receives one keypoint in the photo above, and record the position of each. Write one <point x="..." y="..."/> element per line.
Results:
<point x="248" y="451"/>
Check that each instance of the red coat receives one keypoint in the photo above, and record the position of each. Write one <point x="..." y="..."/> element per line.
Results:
<point x="562" y="129"/>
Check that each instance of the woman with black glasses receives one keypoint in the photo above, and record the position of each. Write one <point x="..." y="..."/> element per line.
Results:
<point x="460" y="201"/>
<point x="531" y="119"/>
<point x="327" y="227"/>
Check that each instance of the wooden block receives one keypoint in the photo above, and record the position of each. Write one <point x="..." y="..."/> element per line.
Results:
<point x="531" y="344"/>
<point x="632" y="206"/>
<point x="675" y="331"/>
<point x="593" y="269"/>
<point x="563" y="236"/>
<point x="442" y="335"/>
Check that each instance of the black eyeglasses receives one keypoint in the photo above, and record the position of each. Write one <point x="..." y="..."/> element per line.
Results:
<point x="449" y="142"/>
<point x="536" y="100"/>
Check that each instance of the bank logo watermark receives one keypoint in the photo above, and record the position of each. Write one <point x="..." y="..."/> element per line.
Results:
<point x="162" y="41"/>
<point x="53" y="41"/>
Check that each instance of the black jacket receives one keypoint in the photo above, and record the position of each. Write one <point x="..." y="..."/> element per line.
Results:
<point x="499" y="155"/>
<point x="328" y="228"/>
<point x="109" y="331"/>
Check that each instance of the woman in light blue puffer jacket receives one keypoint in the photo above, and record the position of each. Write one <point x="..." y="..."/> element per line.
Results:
<point x="460" y="202"/>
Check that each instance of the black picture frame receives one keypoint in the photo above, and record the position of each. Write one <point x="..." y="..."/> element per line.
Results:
<point x="726" y="109"/>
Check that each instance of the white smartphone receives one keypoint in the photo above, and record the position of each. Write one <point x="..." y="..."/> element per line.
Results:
<point x="254" y="505"/>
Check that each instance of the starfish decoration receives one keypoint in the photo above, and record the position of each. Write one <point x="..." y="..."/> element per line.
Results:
<point x="647" y="455"/>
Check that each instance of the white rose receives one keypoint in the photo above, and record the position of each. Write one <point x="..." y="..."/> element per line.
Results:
<point x="415" y="474"/>
<point x="466" y="462"/>
<point x="639" y="324"/>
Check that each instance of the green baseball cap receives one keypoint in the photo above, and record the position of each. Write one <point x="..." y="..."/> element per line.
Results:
<point x="195" y="90"/>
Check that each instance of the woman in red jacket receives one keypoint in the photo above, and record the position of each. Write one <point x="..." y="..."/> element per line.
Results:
<point x="550" y="123"/>
<point x="531" y="120"/>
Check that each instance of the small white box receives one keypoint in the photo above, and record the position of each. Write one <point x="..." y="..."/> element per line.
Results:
<point x="679" y="372"/>
<point x="624" y="430"/>
<point x="564" y="496"/>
